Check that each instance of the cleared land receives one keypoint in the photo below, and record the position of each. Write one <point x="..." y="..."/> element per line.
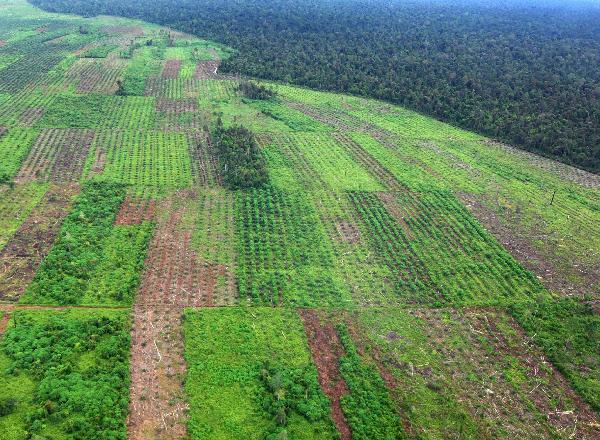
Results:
<point x="395" y="277"/>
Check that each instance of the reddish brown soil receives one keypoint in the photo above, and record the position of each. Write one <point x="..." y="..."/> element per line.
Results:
<point x="173" y="279"/>
<point x="326" y="350"/>
<point x="158" y="407"/>
<point x="173" y="274"/>
<point x="41" y="30"/>
<point x="348" y="231"/>
<point x="176" y="105"/>
<point x="30" y="116"/>
<point x="4" y="323"/>
<point x="58" y="155"/>
<point x="171" y="69"/>
<point x="206" y="69"/>
<point x="205" y="165"/>
<point x="3" y="43"/>
<point x="135" y="212"/>
<point x="24" y="252"/>
<point x="3" y="130"/>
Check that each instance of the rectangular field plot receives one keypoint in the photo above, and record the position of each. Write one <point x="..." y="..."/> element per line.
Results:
<point x="246" y="367"/>
<point x="129" y="112"/>
<point x="25" y="249"/>
<point x="15" y="144"/>
<point x="293" y="119"/>
<point x="58" y="155"/>
<point x="321" y="162"/>
<point x="470" y="374"/>
<point x="284" y="254"/>
<point x="93" y="76"/>
<point x="438" y="252"/>
<point x="15" y="205"/>
<point x="64" y="374"/>
<point x="191" y="257"/>
<point x="146" y="158"/>
<point x="93" y="261"/>
<point x="24" y="109"/>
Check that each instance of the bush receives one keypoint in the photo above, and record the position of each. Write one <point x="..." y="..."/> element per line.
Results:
<point x="7" y="406"/>
<point x="242" y="164"/>
<point x="251" y="90"/>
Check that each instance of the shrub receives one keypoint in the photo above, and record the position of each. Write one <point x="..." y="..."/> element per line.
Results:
<point x="242" y="164"/>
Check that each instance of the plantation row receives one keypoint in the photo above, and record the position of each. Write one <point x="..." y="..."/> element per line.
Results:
<point x="375" y="263"/>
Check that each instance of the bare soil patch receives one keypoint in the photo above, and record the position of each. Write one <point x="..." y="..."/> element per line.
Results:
<point x="3" y="43"/>
<point x="31" y="116"/>
<point x="206" y="69"/>
<point x="176" y="105"/>
<point x="24" y="252"/>
<point x="58" y="155"/>
<point x="158" y="407"/>
<point x="136" y="211"/>
<point x="349" y="232"/>
<point x="134" y="31"/>
<point x="173" y="274"/>
<point x="171" y="69"/>
<point x="326" y="351"/>
<point x="174" y="278"/>
<point x="4" y="323"/>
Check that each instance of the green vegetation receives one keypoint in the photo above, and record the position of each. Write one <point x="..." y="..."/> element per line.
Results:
<point x="147" y="159"/>
<point x="146" y="180"/>
<point x="486" y="67"/>
<point x="239" y="361"/>
<point x="92" y="260"/>
<point x="65" y="375"/>
<point x="440" y="253"/>
<point x="291" y="393"/>
<point x="136" y="75"/>
<point x="15" y="205"/>
<point x="242" y="165"/>
<point x="284" y="256"/>
<point x="118" y="274"/>
<point x="99" y="51"/>
<point x="15" y="144"/>
<point x="368" y="406"/>
<point x="569" y="332"/>
<point x="252" y="90"/>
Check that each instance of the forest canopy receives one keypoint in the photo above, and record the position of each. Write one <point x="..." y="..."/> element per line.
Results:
<point x="522" y="73"/>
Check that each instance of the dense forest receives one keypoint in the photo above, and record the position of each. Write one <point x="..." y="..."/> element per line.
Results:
<point x="524" y="74"/>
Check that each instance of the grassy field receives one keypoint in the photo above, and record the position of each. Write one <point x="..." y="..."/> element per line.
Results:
<point x="395" y="277"/>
